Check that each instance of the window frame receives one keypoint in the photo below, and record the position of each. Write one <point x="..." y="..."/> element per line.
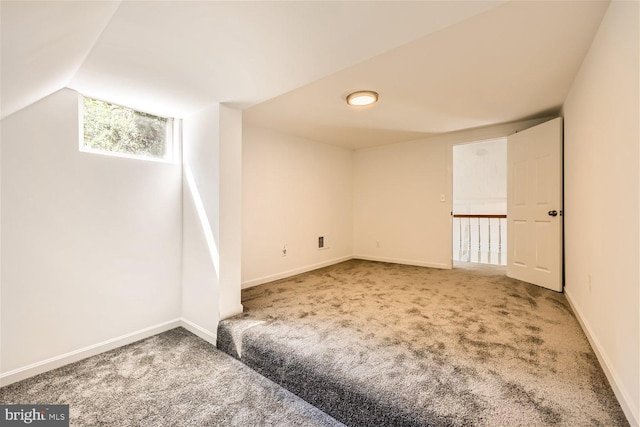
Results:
<point x="170" y="139"/>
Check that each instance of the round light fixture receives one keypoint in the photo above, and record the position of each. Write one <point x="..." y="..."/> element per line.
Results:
<point x="362" y="98"/>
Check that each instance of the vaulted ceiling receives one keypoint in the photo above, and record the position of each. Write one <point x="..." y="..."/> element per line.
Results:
<point x="439" y="66"/>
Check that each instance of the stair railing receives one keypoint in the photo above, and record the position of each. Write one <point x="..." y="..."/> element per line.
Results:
<point x="480" y="238"/>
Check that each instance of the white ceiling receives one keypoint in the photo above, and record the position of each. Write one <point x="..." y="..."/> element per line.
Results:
<point x="440" y="66"/>
<point x="512" y="63"/>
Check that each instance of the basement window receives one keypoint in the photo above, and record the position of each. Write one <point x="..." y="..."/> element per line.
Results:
<point x="115" y="130"/>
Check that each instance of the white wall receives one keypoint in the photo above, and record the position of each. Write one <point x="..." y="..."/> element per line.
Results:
<point x="294" y="190"/>
<point x="200" y="241"/>
<point x="200" y="279"/>
<point x="91" y="243"/>
<point x="480" y="177"/>
<point x="212" y="142"/>
<point x="602" y="234"/>
<point x="230" y="211"/>
<point x="398" y="214"/>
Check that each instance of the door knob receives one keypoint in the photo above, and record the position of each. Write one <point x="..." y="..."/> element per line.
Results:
<point x="553" y="213"/>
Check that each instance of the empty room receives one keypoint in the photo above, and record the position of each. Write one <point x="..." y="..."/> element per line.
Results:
<point x="248" y="213"/>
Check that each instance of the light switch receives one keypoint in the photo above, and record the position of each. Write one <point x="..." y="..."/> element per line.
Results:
<point x="442" y="198"/>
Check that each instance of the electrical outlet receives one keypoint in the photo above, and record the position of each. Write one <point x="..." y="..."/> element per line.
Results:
<point x="377" y="243"/>
<point x="284" y="250"/>
<point x="589" y="282"/>
<point x="321" y="242"/>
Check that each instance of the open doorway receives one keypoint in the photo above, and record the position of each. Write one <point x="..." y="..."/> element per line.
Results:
<point x="480" y="202"/>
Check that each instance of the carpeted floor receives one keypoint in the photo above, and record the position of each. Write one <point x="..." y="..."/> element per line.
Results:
<point x="172" y="379"/>
<point x="377" y="344"/>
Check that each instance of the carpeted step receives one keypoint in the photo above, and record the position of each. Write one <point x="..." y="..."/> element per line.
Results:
<point x="319" y="380"/>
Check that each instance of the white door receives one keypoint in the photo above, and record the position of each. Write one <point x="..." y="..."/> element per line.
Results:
<point x="534" y="205"/>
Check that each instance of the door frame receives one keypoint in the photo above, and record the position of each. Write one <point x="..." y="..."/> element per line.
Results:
<point x="489" y="133"/>
<point x="465" y="141"/>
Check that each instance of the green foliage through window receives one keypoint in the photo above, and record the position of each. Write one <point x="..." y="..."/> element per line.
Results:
<point x="117" y="129"/>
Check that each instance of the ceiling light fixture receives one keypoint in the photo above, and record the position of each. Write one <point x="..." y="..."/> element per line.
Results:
<point x="362" y="98"/>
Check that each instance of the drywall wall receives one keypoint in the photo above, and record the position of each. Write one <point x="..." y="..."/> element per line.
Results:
<point x="211" y="221"/>
<point x="199" y="275"/>
<point x="294" y="190"/>
<point x="398" y="212"/>
<point x="602" y="235"/>
<point x="91" y="243"/>
<point x="200" y="218"/>
<point x="230" y="211"/>
<point x="480" y="177"/>
<point x="200" y="240"/>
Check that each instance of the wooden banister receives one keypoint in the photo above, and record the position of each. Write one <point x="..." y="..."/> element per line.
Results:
<point x="478" y="216"/>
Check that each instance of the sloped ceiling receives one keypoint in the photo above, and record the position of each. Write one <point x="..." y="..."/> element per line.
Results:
<point x="440" y="66"/>
<point x="43" y="46"/>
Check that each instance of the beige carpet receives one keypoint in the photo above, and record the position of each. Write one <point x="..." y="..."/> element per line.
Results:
<point x="384" y="344"/>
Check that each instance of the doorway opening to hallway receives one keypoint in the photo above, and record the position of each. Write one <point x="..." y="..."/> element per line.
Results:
<point x="480" y="202"/>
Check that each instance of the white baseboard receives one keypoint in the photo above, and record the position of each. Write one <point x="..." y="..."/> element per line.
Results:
<point x="76" y="355"/>
<point x="623" y="398"/>
<point x="289" y="273"/>
<point x="404" y="261"/>
<point x="203" y="333"/>
<point x="296" y="271"/>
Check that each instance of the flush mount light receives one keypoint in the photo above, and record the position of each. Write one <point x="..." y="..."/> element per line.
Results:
<point x="361" y="98"/>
